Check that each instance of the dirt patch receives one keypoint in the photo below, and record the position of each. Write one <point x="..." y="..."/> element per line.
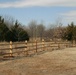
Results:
<point x="57" y="62"/>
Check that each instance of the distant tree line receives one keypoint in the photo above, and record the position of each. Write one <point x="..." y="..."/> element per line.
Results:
<point x="41" y="31"/>
<point x="53" y="31"/>
<point x="12" y="30"/>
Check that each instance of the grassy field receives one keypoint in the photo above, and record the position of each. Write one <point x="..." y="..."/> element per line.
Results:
<point x="57" y="62"/>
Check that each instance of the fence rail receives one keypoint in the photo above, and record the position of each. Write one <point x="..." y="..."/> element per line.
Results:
<point x="12" y="49"/>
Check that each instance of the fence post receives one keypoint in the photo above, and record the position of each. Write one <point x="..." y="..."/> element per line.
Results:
<point x="66" y="44"/>
<point x="26" y="47"/>
<point x="11" y="48"/>
<point x="50" y="44"/>
<point x="58" y="45"/>
<point x="36" y="45"/>
<point x="43" y="45"/>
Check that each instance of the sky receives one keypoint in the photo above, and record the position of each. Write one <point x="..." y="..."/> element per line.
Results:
<point x="46" y="11"/>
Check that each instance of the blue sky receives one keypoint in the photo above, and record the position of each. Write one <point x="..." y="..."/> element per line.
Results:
<point x="47" y="11"/>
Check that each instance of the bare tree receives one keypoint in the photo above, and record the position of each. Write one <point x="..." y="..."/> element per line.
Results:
<point x="32" y="29"/>
<point x="40" y="31"/>
<point x="49" y="33"/>
<point x="58" y="28"/>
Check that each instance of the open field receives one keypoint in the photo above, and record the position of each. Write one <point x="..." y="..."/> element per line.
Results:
<point x="57" y="62"/>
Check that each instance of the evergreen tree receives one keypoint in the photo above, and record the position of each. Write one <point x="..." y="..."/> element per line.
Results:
<point x="3" y="30"/>
<point x="14" y="33"/>
<point x="70" y="33"/>
<point x="18" y="33"/>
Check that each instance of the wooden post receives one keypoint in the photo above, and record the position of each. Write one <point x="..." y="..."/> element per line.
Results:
<point x="43" y="45"/>
<point x="67" y="44"/>
<point x="58" y="46"/>
<point x="11" y="52"/>
<point x="26" y="47"/>
<point x="36" y="45"/>
<point x="50" y="44"/>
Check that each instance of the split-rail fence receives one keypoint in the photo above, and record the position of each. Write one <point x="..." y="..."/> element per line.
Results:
<point x="12" y="50"/>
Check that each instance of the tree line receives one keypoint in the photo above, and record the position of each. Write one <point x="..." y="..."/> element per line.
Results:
<point x="11" y="30"/>
<point x="52" y="32"/>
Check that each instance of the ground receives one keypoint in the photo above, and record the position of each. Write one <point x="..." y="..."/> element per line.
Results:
<point x="57" y="62"/>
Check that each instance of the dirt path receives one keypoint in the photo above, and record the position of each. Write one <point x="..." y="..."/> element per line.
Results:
<point x="57" y="62"/>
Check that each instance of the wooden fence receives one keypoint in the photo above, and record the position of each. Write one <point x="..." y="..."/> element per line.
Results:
<point x="18" y="49"/>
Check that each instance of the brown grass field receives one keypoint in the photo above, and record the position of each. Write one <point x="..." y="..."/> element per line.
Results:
<point x="57" y="62"/>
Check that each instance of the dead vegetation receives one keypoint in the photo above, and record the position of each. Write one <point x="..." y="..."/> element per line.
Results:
<point x="57" y="62"/>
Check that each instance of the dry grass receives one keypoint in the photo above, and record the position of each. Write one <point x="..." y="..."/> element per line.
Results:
<point x="57" y="62"/>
